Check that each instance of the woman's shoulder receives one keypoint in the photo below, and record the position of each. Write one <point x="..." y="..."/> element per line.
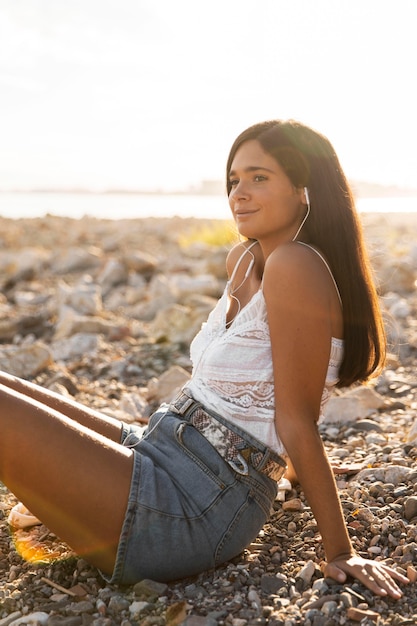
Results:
<point x="298" y="268"/>
<point x="290" y="255"/>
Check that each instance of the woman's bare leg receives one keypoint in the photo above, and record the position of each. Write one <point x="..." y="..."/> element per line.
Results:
<point x="105" y="425"/>
<point x="76" y="481"/>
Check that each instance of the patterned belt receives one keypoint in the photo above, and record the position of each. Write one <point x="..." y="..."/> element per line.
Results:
<point x="228" y="443"/>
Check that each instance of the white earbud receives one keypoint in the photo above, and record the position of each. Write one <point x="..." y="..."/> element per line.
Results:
<point x="306" y="215"/>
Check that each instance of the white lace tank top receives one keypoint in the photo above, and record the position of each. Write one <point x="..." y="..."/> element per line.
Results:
<point x="232" y="367"/>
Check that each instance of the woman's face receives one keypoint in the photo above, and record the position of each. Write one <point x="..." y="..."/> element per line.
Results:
<point x="264" y="202"/>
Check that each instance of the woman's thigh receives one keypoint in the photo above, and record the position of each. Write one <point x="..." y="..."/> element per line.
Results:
<point x="73" y="479"/>
<point x="88" y="417"/>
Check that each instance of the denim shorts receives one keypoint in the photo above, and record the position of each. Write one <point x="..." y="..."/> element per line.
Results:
<point x="188" y="510"/>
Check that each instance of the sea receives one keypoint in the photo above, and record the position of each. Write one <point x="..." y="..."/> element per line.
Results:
<point x="116" y="206"/>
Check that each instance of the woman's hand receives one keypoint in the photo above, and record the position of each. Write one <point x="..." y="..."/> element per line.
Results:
<point x="375" y="575"/>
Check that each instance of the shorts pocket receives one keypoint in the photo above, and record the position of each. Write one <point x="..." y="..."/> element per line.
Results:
<point x="202" y="453"/>
<point x="181" y="473"/>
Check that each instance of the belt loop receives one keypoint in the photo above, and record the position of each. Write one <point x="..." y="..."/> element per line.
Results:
<point x="181" y="403"/>
<point x="187" y="404"/>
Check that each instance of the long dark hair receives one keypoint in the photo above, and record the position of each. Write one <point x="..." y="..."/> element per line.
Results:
<point x="333" y="226"/>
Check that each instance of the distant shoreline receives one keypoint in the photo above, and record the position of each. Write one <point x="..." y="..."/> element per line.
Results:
<point x="142" y="205"/>
<point x="216" y="188"/>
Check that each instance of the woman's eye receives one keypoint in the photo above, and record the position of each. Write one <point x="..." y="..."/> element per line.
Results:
<point x="259" y="178"/>
<point x="233" y="182"/>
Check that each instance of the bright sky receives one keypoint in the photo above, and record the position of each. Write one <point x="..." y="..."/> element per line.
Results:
<point x="151" y="93"/>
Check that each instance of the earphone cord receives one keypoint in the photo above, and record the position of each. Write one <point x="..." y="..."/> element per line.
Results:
<point x="305" y="216"/>
<point x="233" y="291"/>
<point x="252" y="261"/>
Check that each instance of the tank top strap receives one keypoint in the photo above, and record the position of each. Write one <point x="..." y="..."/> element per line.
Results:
<point x="328" y="268"/>
<point x="240" y="259"/>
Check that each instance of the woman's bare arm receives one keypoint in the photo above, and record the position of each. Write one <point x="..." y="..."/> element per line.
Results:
<point x="300" y="305"/>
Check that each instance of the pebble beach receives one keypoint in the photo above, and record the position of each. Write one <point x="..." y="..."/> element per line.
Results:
<point x="104" y="311"/>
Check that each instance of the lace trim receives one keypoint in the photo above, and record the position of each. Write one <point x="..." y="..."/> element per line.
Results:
<point x="245" y="395"/>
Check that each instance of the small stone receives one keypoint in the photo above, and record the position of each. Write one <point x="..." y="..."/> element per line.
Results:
<point x="357" y="615"/>
<point x="306" y="573"/>
<point x="410" y="508"/>
<point x="150" y="588"/>
<point x="292" y="505"/>
<point x="118" y="603"/>
<point x="5" y="621"/>
<point x="271" y="584"/>
<point x="329" y="608"/>
<point x="412" y="574"/>
<point x="254" y="599"/>
<point x="347" y="599"/>
<point x="139" y="607"/>
<point x="61" y="620"/>
<point x="199" y="620"/>
<point x="38" y="618"/>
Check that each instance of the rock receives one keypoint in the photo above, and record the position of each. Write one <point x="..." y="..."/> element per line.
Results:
<point x="366" y="425"/>
<point x="138" y="608"/>
<point x="397" y="474"/>
<point x="134" y="404"/>
<point x="410" y="508"/>
<point x="84" y="298"/>
<point x="38" y="618"/>
<point x="412" y="434"/>
<point x="113" y="273"/>
<point x="356" y="403"/>
<point x="197" y="620"/>
<point x="25" y="361"/>
<point x="306" y="573"/>
<point x="61" y="620"/>
<point x="22" y="264"/>
<point x="6" y="621"/>
<point x="159" y="298"/>
<point x="150" y="588"/>
<point x="81" y="607"/>
<point x="8" y="329"/>
<point x="294" y="504"/>
<point x="329" y="608"/>
<point x="168" y="385"/>
<point x="358" y="615"/>
<point x="177" y="324"/>
<point x="394" y="474"/>
<point x="271" y="584"/>
<point x="75" y="259"/>
<point x="254" y="599"/>
<point x="141" y="262"/>
<point x="75" y="346"/>
<point x="284" y="486"/>
<point x="412" y="574"/>
<point x="70" y="323"/>
<point x="118" y="603"/>
<point x="183" y="285"/>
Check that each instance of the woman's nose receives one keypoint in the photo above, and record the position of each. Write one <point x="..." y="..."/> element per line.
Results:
<point x="240" y="190"/>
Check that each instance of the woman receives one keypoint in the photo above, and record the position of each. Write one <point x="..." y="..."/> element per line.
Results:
<point x="299" y="315"/>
